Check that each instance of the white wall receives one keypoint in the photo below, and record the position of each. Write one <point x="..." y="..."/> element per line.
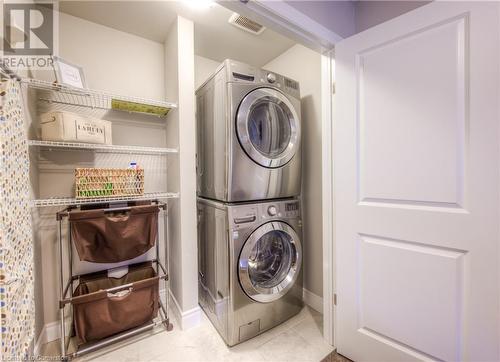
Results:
<point x="180" y="84"/>
<point x="371" y="13"/>
<point x="347" y="18"/>
<point x="114" y="61"/>
<point x="304" y="65"/>
<point x="203" y="68"/>
<point x="338" y="16"/>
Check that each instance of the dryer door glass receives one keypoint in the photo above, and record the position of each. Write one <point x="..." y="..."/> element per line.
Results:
<point x="268" y="127"/>
<point x="270" y="262"/>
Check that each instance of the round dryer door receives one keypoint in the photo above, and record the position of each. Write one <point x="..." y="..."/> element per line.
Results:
<point x="270" y="262"/>
<point x="268" y="127"/>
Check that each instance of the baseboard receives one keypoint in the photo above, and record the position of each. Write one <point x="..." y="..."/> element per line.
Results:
<point x="186" y="319"/>
<point x="49" y="333"/>
<point x="39" y="342"/>
<point x="313" y="300"/>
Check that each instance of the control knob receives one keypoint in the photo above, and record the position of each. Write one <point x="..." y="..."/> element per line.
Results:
<point x="272" y="211"/>
<point x="271" y="78"/>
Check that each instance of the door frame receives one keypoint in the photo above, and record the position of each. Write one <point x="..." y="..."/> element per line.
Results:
<point x="327" y="179"/>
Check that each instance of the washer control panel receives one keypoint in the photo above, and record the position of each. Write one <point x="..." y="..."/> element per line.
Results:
<point x="292" y="209"/>
<point x="247" y="215"/>
<point x="271" y="77"/>
<point x="272" y="210"/>
<point x="280" y="209"/>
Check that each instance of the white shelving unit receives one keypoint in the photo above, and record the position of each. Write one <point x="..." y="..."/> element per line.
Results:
<point x="143" y="114"/>
<point x="65" y="201"/>
<point x="136" y="150"/>
<point x="57" y="94"/>
<point x="66" y="95"/>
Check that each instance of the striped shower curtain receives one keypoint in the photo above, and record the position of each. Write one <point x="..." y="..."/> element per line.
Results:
<point x="17" y="307"/>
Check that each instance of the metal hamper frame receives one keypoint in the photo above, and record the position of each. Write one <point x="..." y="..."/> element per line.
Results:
<point x="68" y="287"/>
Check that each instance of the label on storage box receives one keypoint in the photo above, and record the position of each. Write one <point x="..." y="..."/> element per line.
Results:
<point x="88" y="131"/>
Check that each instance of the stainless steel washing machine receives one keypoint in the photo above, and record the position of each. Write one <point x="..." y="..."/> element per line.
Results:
<point x="248" y="135"/>
<point x="250" y="265"/>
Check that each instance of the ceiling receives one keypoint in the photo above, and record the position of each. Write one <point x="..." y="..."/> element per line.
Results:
<point x="214" y="37"/>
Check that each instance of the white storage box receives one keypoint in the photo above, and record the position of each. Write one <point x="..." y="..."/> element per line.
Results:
<point x="70" y="127"/>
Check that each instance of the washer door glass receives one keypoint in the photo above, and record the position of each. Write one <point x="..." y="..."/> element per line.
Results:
<point x="271" y="259"/>
<point x="268" y="127"/>
<point x="270" y="262"/>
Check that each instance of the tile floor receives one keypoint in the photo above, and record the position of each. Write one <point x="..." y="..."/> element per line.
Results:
<point x="298" y="339"/>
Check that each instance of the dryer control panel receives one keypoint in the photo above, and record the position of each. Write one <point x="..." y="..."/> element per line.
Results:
<point x="239" y="72"/>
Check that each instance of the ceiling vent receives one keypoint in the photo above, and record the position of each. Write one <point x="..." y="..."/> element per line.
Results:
<point x="246" y="24"/>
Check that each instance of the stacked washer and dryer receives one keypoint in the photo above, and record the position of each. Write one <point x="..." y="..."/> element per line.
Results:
<point x="248" y="183"/>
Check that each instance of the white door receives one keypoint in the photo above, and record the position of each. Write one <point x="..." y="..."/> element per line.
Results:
<point x="416" y="159"/>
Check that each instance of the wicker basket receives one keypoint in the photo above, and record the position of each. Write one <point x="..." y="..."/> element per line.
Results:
<point x="108" y="182"/>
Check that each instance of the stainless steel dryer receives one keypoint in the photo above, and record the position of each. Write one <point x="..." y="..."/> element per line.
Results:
<point x="250" y="265"/>
<point x="248" y="135"/>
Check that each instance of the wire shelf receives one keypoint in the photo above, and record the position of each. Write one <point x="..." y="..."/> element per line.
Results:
<point x="64" y="201"/>
<point x="135" y="150"/>
<point x="63" y="94"/>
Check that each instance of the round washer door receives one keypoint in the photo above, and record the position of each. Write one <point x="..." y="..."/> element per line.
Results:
<point x="270" y="262"/>
<point x="268" y="127"/>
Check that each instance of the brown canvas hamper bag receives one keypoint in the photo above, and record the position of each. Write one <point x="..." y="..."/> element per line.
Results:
<point x="98" y="314"/>
<point x="104" y="237"/>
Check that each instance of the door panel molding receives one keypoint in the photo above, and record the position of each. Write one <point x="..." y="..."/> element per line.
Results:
<point x="411" y="122"/>
<point x="390" y="294"/>
<point x="417" y="186"/>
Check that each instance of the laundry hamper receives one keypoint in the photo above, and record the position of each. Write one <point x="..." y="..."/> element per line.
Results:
<point x="111" y="237"/>
<point x="132" y="301"/>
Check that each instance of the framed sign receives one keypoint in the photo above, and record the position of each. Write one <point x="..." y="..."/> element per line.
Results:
<point x="68" y="74"/>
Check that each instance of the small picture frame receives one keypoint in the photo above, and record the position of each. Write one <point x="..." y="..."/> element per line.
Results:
<point x="68" y="73"/>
